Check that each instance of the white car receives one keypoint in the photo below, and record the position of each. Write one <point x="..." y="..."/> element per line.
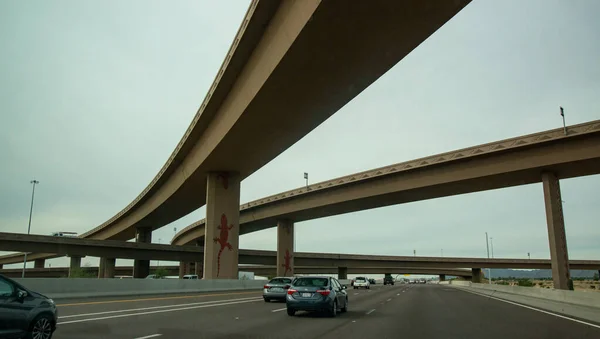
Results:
<point x="362" y="282"/>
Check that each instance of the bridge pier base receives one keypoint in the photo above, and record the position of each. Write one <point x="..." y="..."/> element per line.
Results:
<point x="222" y="227"/>
<point x="39" y="263"/>
<point x="75" y="264"/>
<point x="101" y="265"/>
<point x="109" y="267"/>
<point x="477" y="276"/>
<point x="343" y="273"/>
<point x="442" y="277"/>
<point x="141" y="268"/>
<point x="559" y="255"/>
<point x="285" y="248"/>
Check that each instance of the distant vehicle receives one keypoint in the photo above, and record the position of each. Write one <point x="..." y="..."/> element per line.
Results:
<point x="123" y="277"/>
<point x="316" y="294"/>
<point x="276" y="288"/>
<point x="372" y="281"/>
<point x="362" y="282"/>
<point x="64" y="234"/>
<point x="388" y="280"/>
<point x="25" y="313"/>
<point x="153" y="276"/>
<point x="190" y="276"/>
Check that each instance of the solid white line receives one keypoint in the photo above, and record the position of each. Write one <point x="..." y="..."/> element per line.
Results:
<point x="150" y="336"/>
<point x="534" y="309"/>
<point x="370" y="311"/>
<point x="390" y="299"/>
<point x="355" y="293"/>
<point x="279" y="309"/>
<point x="154" y="308"/>
<point x="153" y="312"/>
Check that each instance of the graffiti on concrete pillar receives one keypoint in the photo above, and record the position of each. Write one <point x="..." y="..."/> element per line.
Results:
<point x="287" y="262"/>
<point x="224" y="176"/>
<point x="222" y="240"/>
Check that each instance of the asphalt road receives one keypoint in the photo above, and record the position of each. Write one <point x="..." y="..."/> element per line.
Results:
<point x="411" y="311"/>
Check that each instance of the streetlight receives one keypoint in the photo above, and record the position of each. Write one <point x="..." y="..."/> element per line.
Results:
<point x="306" y="178"/>
<point x="529" y="255"/>
<point x="487" y="244"/>
<point x="33" y="182"/>
<point x="492" y="243"/>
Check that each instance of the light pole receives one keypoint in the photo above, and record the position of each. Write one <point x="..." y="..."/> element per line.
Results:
<point x="492" y="243"/>
<point x="306" y="178"/>
<point x="529" y="255"/>
<point x="33" y="182"/>
<point x="415" y="253"/>
<point x="487" y="244"/>
<point x="158" y="261"/>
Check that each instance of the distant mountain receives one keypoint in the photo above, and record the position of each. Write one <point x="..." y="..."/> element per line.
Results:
<point x="535" y="274"/>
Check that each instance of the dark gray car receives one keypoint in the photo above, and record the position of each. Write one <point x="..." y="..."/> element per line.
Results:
<point x="316" y="294"/>
<point x="276" y="288"/>
<point x="24" y="313"/>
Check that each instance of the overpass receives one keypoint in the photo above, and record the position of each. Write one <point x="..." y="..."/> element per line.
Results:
<point x="260" y="270"/>
<point x="288" y="58"/>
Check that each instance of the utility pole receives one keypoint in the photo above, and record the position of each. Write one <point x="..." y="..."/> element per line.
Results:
<point x="34" y="182"/>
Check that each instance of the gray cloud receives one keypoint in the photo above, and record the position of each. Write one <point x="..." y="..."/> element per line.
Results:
<point x="95" y="98"/>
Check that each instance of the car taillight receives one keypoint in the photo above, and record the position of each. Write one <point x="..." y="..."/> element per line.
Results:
<point x="266" y="286"/>
<point x="324" y="292"/>
<point x="291" y="291"/>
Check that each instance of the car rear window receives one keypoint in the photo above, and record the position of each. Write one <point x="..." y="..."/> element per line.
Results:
<point x="360" y="279"/>
<point x="280" y="281"/>
<point x="311" y="282"/>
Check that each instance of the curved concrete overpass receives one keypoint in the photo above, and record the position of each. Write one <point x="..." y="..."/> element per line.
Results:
<point x="505" y="163"/>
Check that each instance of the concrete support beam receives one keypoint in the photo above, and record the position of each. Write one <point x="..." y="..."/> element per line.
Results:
<point x="342" y="272"/>
<point x="141" y="268"/>
<point x="221" y="243"/>
<point x="75" y="264"/>
<point x="109" y="267"/>
<point x="101" y="266"/>
<point x="285" y="248"/>
<point x="39" y="263"/>
<point x="559" y="255"/>
<point x="477" y="275"/>
<point x="442" y="277"/>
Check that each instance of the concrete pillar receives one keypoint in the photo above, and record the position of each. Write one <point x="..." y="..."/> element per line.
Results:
<point x="285" y="248"/>
<point x="1" y="266"/>
<point x="101" y="268"/>
<point x="74" y="265"/>
<point x="39" y="263"/>
<point x="198" y="268"/>
<point x="109" y="267"/>
<point x="343" y="273"/>
<point x="559" y="255"/>
<point x="477" y="275"/>
<point x="184" y="268"/>
<point x="141" y="268"/>
<point x="442" y="277"/>
<point x="221" y="242"/>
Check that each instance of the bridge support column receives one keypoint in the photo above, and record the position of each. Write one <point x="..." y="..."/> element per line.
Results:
<point x="477" y="275"/>
<point x="109" y="267"/>
<point x="101" y="266"/>
<point x="559" y="255"/>
<point x="198" y="269"/>
<point x="141" y="268"/>
<point x="39" y="263"/>
<point x="343" y="273"/>
<point x="221" y="241"/>
<point x="285" y="248"/>
<point x="184" y="268"/>
<point x="442" y="277"/>
<point x="74" y="265"/>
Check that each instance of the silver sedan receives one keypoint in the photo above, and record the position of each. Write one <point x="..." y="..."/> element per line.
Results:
<point x="276" y="288"/>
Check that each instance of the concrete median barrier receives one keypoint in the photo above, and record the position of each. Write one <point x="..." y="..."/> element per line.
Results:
<point x="61" y="288"/>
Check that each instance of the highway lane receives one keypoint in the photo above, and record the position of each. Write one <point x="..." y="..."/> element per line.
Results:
<point x="418" y="311"/>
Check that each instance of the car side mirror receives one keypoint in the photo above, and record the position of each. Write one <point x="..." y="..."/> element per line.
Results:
<point x="21" y="295"/>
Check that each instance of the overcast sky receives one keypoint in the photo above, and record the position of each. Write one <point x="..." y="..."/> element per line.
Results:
<point x="94" y="96"/>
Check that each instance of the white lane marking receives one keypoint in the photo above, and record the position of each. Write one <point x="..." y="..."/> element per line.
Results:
<point x="397" y="293"/>
<point x="153" y="308"/>
<point x="279" y="310"/>
<point x="158" y="311"/>
<point x="390" y="299"/>
<point x="534" y="309"/>
<point x="355" y="293"/>
<point x="150" y="336"/>
<point x="370" y="311"/>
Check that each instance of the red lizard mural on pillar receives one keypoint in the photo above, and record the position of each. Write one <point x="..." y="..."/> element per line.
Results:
<point x="287" y="262"/>
<point x="225" y="177"/>
<point x="223" y="240"/>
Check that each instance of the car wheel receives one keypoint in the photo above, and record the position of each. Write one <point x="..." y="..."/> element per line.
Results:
<point x="333" y="310"/>
<point x="267" y="300"/>
<point x="40" y="328"/>
<point x="345" y="308"/>
<point x="291" y="312"/>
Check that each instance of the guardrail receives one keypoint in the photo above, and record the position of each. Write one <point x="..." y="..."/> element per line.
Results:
<point x="61" y="288"/>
